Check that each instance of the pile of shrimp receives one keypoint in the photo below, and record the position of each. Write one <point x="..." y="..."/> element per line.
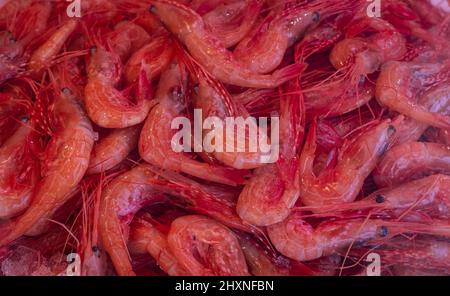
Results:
<point x="90" y="183"/>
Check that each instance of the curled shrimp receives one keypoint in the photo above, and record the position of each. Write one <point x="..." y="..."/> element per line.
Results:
<point x="107" y="106"/>
<point x="146" y="238"/>
<point x="400" y="84"/>
<point x="189" y="27"/>
<point x="196" y="239"/>
<point x="231" y="22"/>
<point x="412" y="161"/>
<point x="356" y="160"/>
<point x="42" y="56"/>
<point x="19" y="171"/>
<point x="274" y="188"/>
<point x="153" y="58"/>
<point x="155" y="144"/>
<point x="66" y="161"/>
<point x="113" y="149"/>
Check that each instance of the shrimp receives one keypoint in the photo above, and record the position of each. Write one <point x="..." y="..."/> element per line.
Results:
<point x="153" y="58"/>
<point x="230" y="23"/>
<point x="264" y="49"/>
<point x="145" y="238"/>
<point x="189" y="27"/>
<point x="120" y="201"/>
<point x="107" y="106"/>
<point x="438" y="136"/>
<point x="356" y="160"/>
<point x="42" y="56"/>
<point x="412" y="161"/>
<point x="19" y="171"/>
<point x="363" y="56"/>
<point x="400" y="84"/>
<point x="274" y="188"/>
<point x="298" y="240"/>
<point x="205" y="247"/>
<point x="113" y="149"/>
<point x="66" y="161"/>
<point x="155" y="143"/>
<point x="126" y="38"/>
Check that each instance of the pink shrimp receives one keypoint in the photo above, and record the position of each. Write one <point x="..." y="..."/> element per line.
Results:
<point x="273" y="190"/>
<point x="438" y="136"/>
<point x="67" y="158"/>
<point x="205" y="247"/>
<point x="156" y="140"/>
<point x="44" y="55"/>
<point x="363" y="56"/>
<point x="126" y="38"/>
<point x="153" y="58"/>
<point x="230" y="23"/>
<point x="189" y="27"/>
<point x="356" y="160"/>
<point x="19" y="171"/>
<point x="412" y="161"/>
<point x="145" y="238"/>
<point x="297" y="239"/>
<point x="107" y="106"/>
<point x="400" y="84"/>
<point x="113" y="149"/>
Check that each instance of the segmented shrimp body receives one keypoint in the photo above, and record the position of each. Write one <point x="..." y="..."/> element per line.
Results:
<point x="412" y="161"/>
<point x="113" y="149"/>
<point x="66" y="161"/>
<point x="156" y="139"/>
<point x="145" y="238"/>
<point x="205" y="247"/>
<point x="400" y="85"/>
<point x="126" y="38"/>
<point x="355" y="162"/>
<point x="189" y="27"/>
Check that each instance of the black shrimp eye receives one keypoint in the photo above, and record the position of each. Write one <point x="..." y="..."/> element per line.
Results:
<point x="391" y="130"/>
<point x="24" y="119"/>
<point x="93" y="50"/>
<point x="316" y="16"/>
<point x="152" y="8"/>
<point x="66" y="90"/>
<point x="380" y="198"/>
<point x="384" y="231"/>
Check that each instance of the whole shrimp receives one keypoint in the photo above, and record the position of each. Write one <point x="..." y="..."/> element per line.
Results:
<point x="66" y="161"/>
<point x="156" y="139"/>
<point x="189" y="27"/>
<point x="19" y="171"/>
<point x="411" y="161"/>
<point x="105" y="104"/>
<point x="274" y="188"/>
<point x="146" y="238"/>
<point x="264" y="49"/>
<point x="356" y="160"/>
<point x="231" y="22"/>
<point x="400" y="85"/>
<point x="113" y="149"/>
<point x="205" y="247"/>
<point x="44" y="55"/>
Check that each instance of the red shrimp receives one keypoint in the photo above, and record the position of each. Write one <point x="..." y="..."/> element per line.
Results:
<point x="157" y="137"/>
<point x="274" y="188"/>
<point x="19" y="171"/>
<point x="400" y="84"/>
<point x="438" y="136"/>
<point x="153" y="58"/>
<point x="113" y="149"/>
<point x="66" y="161"/>
<point x="356" y="160"/>
<point x="205" y="247"/>
<point x="126" y="38"/>
<point x="230" y="23"/>
<point x="145" y="238"/>
<point x="189" y="27"/>
<point x="411" y="161"/>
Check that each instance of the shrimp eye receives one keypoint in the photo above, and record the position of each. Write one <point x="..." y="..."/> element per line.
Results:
<point x="66" y="90"/>
<point x="380" y="198"/>
<point x="391" y="130"/>
<point x="384" y="231"/>
<point x="93" y="50"/>
<point x="24" y="119"/>
<point x="316" y="16"/>
<point x="152" y="8"/>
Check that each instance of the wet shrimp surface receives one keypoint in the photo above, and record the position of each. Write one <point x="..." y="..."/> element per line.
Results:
<point x="224" y="137"/>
